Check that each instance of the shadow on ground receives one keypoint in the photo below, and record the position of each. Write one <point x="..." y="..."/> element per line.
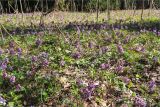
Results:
<point x="150" y="25"/>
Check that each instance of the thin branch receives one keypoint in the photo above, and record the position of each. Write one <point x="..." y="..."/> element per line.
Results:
<point x="8" y="33"/>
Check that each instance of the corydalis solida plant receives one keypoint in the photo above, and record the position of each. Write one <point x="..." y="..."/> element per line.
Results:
<point x="120" y="49"/>
<point x="38" y="42"/>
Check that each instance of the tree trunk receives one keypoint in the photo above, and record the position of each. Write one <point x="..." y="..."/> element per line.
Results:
<point x="142" y="9"/>
<point x="22" y="12"/>
<point x="97" y="9"/>
<point x="134" y="8"/>
<point x="150" y="6"/>
<point x="122" y="4"/>
<point x="82" y="6"/>
<point x="56" y="4"/>
<point x="9" y="7"/>
<point x="42" y="14"/>
<point x="125" y="2"/>
<point x="46" y="5"/>
<point x="108" y="9"/>
<point x="1" y="8"/>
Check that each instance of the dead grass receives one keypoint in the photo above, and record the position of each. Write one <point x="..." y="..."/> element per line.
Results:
<point x="66" y="17"/>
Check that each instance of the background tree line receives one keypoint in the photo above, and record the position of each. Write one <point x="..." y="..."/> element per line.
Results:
<point x="10" y="6"/>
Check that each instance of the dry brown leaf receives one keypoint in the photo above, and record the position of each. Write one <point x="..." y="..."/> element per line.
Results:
<point x="63" y="80"/>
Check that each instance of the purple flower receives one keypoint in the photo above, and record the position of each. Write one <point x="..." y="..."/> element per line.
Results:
<point x="13" y="32"/>
<point x="76" y="55"/>
<point x="19" y="50"/>
<point x="2" y="101"/>
<point x="12" y="79"/>
<point x="155" y="59"/>
<point x="155" y="30"/>
<point x="86" y="94"/>
<point x="4" y="75"/>
<point x="104" y="49"/>
<point x="91" y="87"/>
<point x="88" y="91"/>
<point x="18" y="87"/>
<point x="120" y="49"/>
<point x="33" y="69"/>
<point x="11" y="51"/>
<point x="6" y="60"/>
<point x="77" y="44"/>
<point x="79" y="82"/>
<point x="34" y="58"/>
<point x="78" y="30"/>
<point x="44" y="55"/>
<point x="62" y="63"/>
<point x="151" y="86"/>
<point x="32" y="32"/>
<point x="143" y="30"/>
<point x="117" y="33"/>
<point x="45" y="63"/>
<point x="125" y="79"/>
<point x="104" y="66"/>
<point x="119" y="68"/>
<point x="38" y="42"/>
<point x="139" y="102"/>
<point x="126" y="40"/>
<point x="91" y="44"/>
<point x="3" y="66"/>
<point x="10" y="68"/>
<point x="140" y="49"/>
<point x="11" y="44"/>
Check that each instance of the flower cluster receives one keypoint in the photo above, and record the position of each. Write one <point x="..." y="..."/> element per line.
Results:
<point x="38" y="42"/>
<point x="40" y="60"/>
<point x="88" y="90"/>
<point x="104" y="66"/>
<point x="120" y="49"/>
<point x="140" y="102"/>
<point x="76" y="55"/>
<point x="151" y="86"/>
<point x="2" y="101"/>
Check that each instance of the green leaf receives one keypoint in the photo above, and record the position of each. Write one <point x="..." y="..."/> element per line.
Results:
<point x="11" y="104"/>
<point x="130" y="84"/>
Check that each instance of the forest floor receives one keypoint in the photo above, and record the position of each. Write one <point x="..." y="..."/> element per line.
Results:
<point x="72" y="60"/>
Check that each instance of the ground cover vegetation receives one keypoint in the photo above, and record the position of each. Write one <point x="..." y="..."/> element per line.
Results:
<point x="80" y="60"/>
